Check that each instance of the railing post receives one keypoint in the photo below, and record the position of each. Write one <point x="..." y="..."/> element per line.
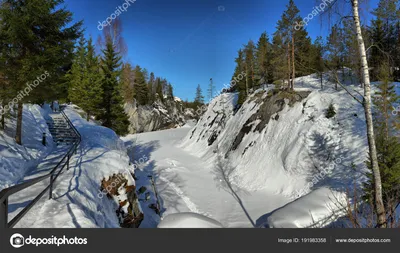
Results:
<point x="4" y="213"/>
<point x="68" y="161"/>
<point x="51" y="187"/>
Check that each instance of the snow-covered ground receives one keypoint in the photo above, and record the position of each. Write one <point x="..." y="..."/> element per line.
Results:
<point x="186" y="183"/>
<point x="295" y="156"/>
<point x="16" y="160"/>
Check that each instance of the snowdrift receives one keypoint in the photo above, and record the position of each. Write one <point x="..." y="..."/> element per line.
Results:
<point x="317" y="209"/>
<point x="188" y="220"/>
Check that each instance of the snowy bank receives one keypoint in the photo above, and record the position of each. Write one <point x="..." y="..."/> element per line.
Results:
<point x="77" y="200"/>
<point x="16" y="160"/>
<point x="282" y="142"/>
<point x="317" y="209"/>
<point x="188" y="220"/>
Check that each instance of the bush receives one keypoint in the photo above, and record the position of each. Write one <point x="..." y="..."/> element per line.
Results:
<point x="331" y="112"/>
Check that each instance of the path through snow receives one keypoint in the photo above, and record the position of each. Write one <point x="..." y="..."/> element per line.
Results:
<point x="185" y="183"/>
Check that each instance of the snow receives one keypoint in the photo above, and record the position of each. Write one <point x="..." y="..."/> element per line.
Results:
<point x="188" y="220"/>
<point x="77" y="201"/>
<point x="317" y="209"/>
<point x="293" y="157"/>
<point x="186" y="183"/>
<point x="17" y="160"/>
<point x="293" y="173"/>
<point x="291" y="150"/>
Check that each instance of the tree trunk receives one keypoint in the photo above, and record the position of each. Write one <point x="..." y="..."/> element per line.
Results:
<point x="18" y="135"/>
<point x="3" y="121"/>
<point x="293" y="67"/>
<point x="380" y="208"/>
<point x="247" y="82"/>
<point x="289" y="71"/>
<point x="88" y="116"/>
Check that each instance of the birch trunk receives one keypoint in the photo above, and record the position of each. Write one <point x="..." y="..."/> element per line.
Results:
<point x="380" y="208"/>
<point x="289" y="71"/>
<point x="293" y="67"/>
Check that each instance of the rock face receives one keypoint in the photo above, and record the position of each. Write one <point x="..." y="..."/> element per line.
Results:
<point x="158" y="116"/>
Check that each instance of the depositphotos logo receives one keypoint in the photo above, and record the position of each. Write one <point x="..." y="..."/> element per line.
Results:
<point x="17" y="241"/>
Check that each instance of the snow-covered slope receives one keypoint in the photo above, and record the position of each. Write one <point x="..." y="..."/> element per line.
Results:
<point x="270" y="144"/>
<point x="77" y="200"/>
<point x="16" y="160"/>
<point x="283" y="142"/>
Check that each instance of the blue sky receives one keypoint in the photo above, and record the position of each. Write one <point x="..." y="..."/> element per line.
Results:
<point x="190" y="41"/>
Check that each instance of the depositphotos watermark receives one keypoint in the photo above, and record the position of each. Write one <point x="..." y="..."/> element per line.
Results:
<point x="315" y="12"/>
<point x="23" y="93"/>
<point x="117" y="12"/>
<point x="396" y="110"/>
<point x="17" y="241"/>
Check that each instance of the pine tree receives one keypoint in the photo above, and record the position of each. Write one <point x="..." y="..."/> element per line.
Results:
<point x="279" y="60"/>
<point x="264" y="56"/>
<point x="335" y="49"/>
<point x="159" y="89"/>
<point x="170" y="92"/>
<point x="113" y="116"/>
<point x="250" y="65"/>
<point x="239" y="84"/>
<point x="317" y="55"/>
<point x="293" y="38"/>
<point x="151" y="88"/>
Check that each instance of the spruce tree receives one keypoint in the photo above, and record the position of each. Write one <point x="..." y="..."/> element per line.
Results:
<point x="388" y="146"/>
<point x="113" y="115"/>
<point x="77" y="74"/>
<point x="140" y="86"/>
<point x="93" y="93"/>
<point x="199" y="98"/>
<point x="39" y="40"/>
